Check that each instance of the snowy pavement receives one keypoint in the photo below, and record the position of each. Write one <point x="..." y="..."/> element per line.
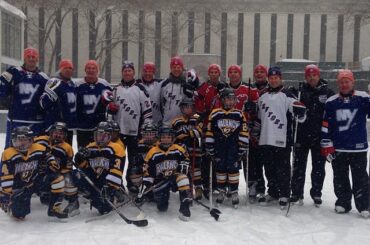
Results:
<point x="250" y="224"/>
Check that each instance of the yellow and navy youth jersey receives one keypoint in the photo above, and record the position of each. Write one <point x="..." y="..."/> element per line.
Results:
<point x="189" y="132"/>
<point x="160" y="164"/>
<point x="120" y="142"/>
<point x="20" y="170"/>
<point x="227" y="127"/>
<point x="63" y="153"/>
<point x="105" y="162"/>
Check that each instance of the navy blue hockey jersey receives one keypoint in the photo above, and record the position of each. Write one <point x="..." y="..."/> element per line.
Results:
<point x="60" y="103"/>
<point x="90" y="109"/>
<point x="345" y="121"/>
<point x="26" y="87"/>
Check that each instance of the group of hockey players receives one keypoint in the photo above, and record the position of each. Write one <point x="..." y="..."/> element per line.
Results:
<point x="179" y="135"/>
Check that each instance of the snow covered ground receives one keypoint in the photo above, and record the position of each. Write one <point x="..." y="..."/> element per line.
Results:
<point x="250" y="224"/>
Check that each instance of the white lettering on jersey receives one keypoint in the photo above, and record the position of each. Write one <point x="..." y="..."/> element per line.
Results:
<point x="27" y="89"/>
<point x="345" y="115"/>
<point x="90" y="99"/>
<point x="71" y="97"/>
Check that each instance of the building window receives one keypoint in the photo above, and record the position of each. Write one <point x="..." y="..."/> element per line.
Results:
<point x="11" y="28"/>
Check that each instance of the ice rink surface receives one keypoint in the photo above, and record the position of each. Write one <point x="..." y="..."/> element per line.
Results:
<point x="249" y="224"/>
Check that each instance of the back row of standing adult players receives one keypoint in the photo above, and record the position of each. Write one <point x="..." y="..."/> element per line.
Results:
<point x="268" y="107"/>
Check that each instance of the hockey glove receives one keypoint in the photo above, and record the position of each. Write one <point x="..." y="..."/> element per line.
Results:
<point x="299" y="110"/>
<point x="327" y="149"/>
<point x="250" y="107"/>
<point x="106" y="97"/>
<point x="82" y="154"/>
<point x="50" y="90"/>
<point x="221" y="86"/>
<point x="142" y="194"/>
<point x="183" y="168"/>
<point x="113" y="108"/>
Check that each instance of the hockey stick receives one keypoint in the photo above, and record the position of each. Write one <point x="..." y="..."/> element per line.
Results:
<point x="294" y="142"/>
<point x="124" y="204"/>
<point x="214" y="212"/>
<point x="192" y="169"/>
<point x="139" y="223"/>
<point x="246" y="163"/>
<point x="11" y="114"/>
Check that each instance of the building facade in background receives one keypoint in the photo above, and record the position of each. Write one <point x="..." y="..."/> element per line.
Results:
<point x="243" y="32"/>
<point x="11" y="39"/>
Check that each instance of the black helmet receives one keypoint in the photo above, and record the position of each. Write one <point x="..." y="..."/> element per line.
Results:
<point x="149" y="127"/>
<point x="185" y="103"/>
<point x="22" y="138"/>
<point x="115" y="126"/>
<point x="103" y="134"/>
<point x="104" y="127"/>
<point x="227" y="93"/>
<point x="149" y="133"/>
<point x="58" y="126"/>
<point x="165" y="131"/>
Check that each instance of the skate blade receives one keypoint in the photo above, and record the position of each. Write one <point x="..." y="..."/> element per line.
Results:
<point x="235" y="206"/>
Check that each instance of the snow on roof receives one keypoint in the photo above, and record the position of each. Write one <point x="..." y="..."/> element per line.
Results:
<point x="298" y="60"/>
<point x="10" y="8"/>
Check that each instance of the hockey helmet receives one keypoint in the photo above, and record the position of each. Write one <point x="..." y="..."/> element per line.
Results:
<point x="58" y="132"/>
<point x="22" y="138"/>
<point x="228" y="98"/>
<point x="149" y="133"/>
<point x="187" y="106"/>
<point x="103" y="134"/>
<point x="166" y="137"/>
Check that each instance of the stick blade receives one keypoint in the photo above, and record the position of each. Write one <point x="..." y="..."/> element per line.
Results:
<point x="140" y="223"/>
<point x="215" y="213"/>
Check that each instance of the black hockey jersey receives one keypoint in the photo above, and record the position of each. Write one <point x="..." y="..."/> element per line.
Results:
<point x="105" y="163"/>
<point x="160" y="164"/>
<point x="227" y="128"/>
<point x="20" y="170"/>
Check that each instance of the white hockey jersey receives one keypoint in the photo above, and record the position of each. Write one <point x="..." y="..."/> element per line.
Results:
<point x="134" y="107"/>
<point x="275" y="109"/>
<point x="171" y="95"/>
<point x="154" y="90"/>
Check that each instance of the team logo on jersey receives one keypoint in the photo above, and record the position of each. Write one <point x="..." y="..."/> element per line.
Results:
<point x="345" y="115"/>
<point x="28" y="89"/>
<point x="25" y="169"/>
<point x="91" y="100"/>
<point x="227" y="126"/>
<point x="167" y="167"/>
<point x="99" y="164"/>
<point x="71" y="98"/>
